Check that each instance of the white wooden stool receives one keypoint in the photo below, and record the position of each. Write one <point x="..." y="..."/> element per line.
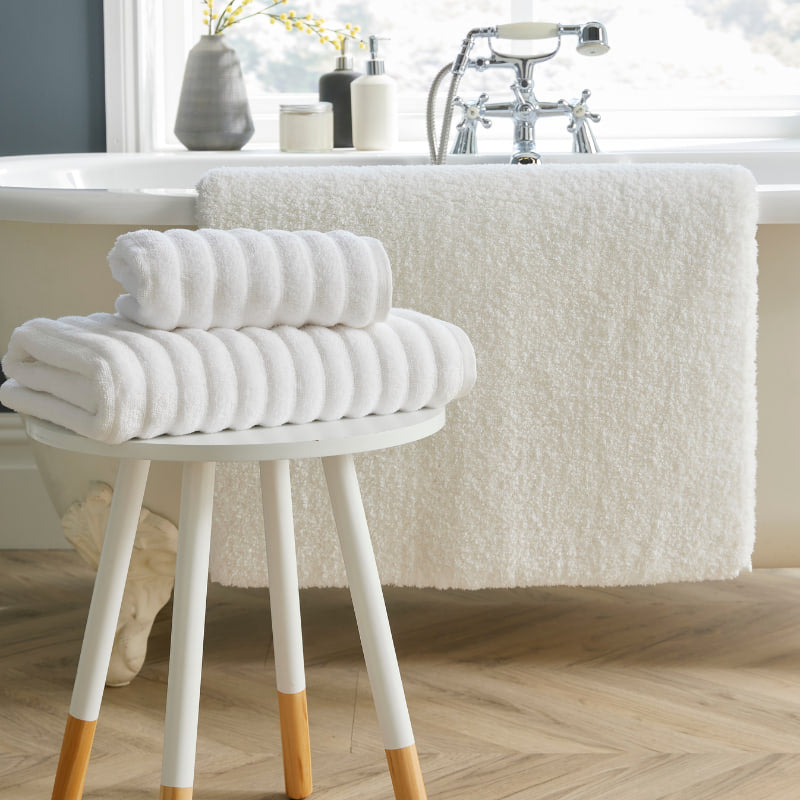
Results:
<point x="334" y="442"/>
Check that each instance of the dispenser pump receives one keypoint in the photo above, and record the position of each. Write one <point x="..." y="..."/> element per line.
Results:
<point x="375" y="65"/>
<point x="345" y="60"/>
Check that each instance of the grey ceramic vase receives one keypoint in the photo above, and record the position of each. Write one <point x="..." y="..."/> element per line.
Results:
<point x="213" y="112"/>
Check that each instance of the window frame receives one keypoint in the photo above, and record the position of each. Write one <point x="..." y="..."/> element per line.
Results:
<point x="138" y="97"/>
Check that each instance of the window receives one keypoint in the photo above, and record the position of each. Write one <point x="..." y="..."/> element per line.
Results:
<point x="697" y="69"/>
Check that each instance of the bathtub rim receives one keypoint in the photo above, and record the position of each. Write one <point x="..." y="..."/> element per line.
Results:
<point x="779" y="203"/>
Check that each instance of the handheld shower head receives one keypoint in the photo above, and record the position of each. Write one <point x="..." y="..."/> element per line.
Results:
<point x="593" y="40"/>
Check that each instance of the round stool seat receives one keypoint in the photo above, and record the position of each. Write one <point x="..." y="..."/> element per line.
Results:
<point x="309" y="440"/>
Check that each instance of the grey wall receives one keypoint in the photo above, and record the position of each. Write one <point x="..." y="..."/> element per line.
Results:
<point x="51" y="77"/>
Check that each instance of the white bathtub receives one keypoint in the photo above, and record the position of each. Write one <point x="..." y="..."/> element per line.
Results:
<point x="60" y="214"/>
<point x="158" y="189"/>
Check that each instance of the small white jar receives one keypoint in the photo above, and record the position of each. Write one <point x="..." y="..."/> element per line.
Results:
<point x="306" y="128"/>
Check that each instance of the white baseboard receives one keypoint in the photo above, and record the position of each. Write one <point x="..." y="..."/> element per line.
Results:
<point x="29" y="520"/>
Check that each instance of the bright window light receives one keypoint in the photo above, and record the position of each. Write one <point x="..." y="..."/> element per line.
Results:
<point x="677" y="48"/>
<point x="676" y="68"/>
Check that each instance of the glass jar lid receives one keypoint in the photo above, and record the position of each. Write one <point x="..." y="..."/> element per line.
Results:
<point x="310" y="108"/>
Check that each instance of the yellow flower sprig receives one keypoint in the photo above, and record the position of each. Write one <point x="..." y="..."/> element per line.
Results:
<point x="236" y="11"/>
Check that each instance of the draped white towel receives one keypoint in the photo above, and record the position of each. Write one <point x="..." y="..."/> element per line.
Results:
<point x="234" y="279"/>
<point x="611" y="437"/>
<point x="112" y="380"/>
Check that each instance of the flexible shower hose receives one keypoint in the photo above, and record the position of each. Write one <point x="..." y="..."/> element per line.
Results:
<point x="438" y="157"/>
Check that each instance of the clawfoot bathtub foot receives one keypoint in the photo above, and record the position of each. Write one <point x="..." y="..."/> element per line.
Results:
<point x="150" y="577"/>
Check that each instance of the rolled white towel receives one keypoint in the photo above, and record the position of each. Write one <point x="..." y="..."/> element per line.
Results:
<point x="111" y="379"/>
<point x="234" y="279"/>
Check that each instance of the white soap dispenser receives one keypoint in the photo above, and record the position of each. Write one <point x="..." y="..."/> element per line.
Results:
<point x="373" y="99"/>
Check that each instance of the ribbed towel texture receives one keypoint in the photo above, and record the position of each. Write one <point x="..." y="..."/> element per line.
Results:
<point x="111" y="379"/>
<point x="235" y="329"/>
<point x="234" y="279"/>
<point x="611" y="436"/>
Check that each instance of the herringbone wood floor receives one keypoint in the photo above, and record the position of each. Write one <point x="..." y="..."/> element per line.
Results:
<point x="661" y="693"/>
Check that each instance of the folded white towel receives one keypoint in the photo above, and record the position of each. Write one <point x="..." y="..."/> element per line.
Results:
<point x="112" y="380"/>
<point x="233" y="279"/>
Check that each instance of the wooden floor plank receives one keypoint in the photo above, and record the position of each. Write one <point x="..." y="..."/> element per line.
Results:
<point x="651" y="693"/>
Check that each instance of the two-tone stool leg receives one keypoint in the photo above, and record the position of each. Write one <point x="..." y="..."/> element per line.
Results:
<point x="287" y="636"/>
<point x="101" y="626"/>
<point x="188" y="627"/>
<point x="373" y="627"/>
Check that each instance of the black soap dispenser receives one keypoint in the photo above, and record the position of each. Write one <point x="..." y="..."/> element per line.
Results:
<point x="334" y="87"/>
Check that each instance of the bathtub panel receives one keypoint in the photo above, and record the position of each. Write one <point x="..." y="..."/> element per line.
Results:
<point x="53" y="270"/>
<point x="56" y="269"/>
<point x="29" y="518"/>
<point x="778" y="489"/>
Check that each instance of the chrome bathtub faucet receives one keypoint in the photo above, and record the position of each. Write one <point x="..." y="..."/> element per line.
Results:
<point x="523" y="108"/>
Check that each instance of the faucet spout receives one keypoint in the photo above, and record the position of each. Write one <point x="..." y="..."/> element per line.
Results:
<point x="533" y="159"/>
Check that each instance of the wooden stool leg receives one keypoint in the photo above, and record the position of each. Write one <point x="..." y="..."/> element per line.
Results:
<point x="373" y="627"/>
<point x="287" y="635"/>
<point x="101" y="626"/>
<point x="188" y="622"/>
